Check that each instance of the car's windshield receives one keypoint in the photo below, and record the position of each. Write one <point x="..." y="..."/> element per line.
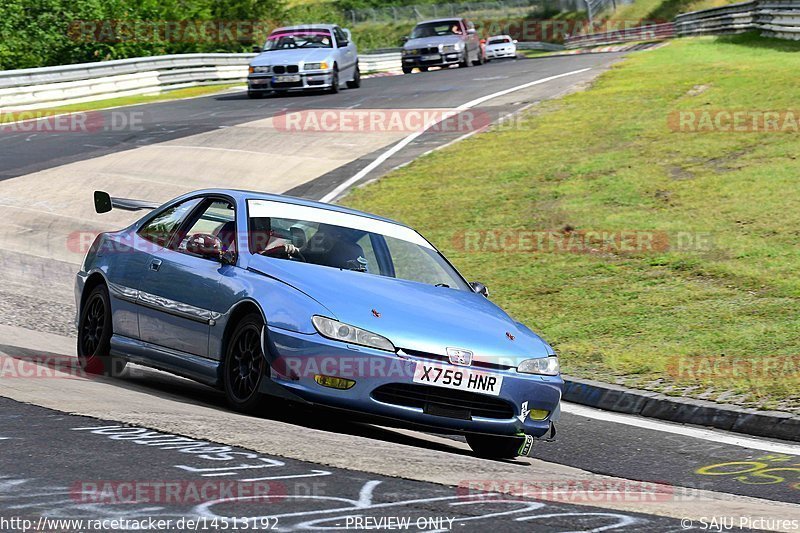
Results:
<point x="500" y="40"/>
<point x="291" y="39"/>
<point x="433" y="29"/>
<point x="346" y="241"/>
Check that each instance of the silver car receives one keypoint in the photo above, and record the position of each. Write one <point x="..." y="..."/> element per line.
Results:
<point x="308" y="57"/>
<point x="441" y="43"/>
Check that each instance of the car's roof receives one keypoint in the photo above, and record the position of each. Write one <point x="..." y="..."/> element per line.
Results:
<point x="242" y="195"/>
<point x="447" y="19"/>
<point x="499" y="37"/>
<point x="306" y="27"/>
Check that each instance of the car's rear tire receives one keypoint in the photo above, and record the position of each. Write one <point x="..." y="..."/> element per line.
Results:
<point x="94" y="335"/>
<point x="495" y="447"/>
<point x="355" y="83"/>
<point x="464" y="62"/>
<point x="244" y="365"/>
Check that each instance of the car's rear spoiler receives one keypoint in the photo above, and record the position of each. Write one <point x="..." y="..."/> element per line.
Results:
<point x="103" y="203"/>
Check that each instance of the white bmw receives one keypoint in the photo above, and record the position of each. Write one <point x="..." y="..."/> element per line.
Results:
<point x="500" y="46"/>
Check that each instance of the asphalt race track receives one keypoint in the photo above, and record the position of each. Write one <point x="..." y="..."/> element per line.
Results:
<point x="60" y="435"/>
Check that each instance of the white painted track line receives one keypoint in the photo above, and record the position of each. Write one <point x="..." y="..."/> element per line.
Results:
<point x="717" y="436"/>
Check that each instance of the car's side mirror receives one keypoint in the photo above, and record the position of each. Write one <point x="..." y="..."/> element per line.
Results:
<point x="207" y="246"/>
<point x="343" y="44"/>
<point x="405" y="39"/>
<point x="480" y="288"/>
<point x="515" y="41"/>
<point x="257" y="49"/>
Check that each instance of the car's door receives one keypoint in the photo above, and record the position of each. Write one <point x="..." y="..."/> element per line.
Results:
<point x="346" y="51"/>
<point x="180" y="295"/>
<point x="472" y="41"/>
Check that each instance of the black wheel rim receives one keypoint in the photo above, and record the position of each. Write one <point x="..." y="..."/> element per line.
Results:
<point x="94" y="324"/>
<point x="246" y="364"/>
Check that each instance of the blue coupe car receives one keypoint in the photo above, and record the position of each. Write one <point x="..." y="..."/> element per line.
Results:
<point x="267" y="295"/>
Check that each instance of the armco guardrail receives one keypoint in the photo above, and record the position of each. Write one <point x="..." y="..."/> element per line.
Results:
<point x="734" y="18"/>
<point x="774" y="18"/>
<point x="639" y="33"/>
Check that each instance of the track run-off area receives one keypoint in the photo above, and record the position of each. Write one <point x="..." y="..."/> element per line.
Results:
<point x="604" y="472"/>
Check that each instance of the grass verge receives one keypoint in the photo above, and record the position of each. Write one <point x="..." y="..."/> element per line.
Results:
<point x="12" y="116"/>
<point x="716" y="313"/>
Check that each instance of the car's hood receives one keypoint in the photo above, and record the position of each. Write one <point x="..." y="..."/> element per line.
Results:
<point x="289" y="57"/>
<point x="414" y="316"/>
<point x="431" y="41"/>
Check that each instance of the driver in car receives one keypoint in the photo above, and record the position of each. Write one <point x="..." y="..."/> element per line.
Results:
<point x="332" y="246"/>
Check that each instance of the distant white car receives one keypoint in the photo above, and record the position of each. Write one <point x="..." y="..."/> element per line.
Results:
<point x="501" y="46"/>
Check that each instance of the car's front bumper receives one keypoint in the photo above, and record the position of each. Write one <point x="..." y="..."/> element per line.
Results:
<point x="498" y="54"/>
<point x="308" y="82"/>
<point x="296" y="358"/>
<point x="428" y="60"/>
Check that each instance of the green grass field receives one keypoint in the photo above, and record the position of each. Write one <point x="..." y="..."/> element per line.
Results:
<point x="605" y="159"/>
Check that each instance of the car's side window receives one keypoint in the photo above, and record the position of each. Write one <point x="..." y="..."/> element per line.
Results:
<point x="340" y="36"/>
<point x="162" y="226"/>
<point x="217" y="219"/>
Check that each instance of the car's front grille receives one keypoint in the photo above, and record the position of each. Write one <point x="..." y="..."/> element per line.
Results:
<point x="285" y="69"/>
<point x="429" y="50"/>
<point x="444" y="358"/>
<point x="287" y="85"/>
<point x="444" y="402"/>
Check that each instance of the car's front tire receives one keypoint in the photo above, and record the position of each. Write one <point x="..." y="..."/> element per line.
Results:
<point x="244" y="365"/>
<point x="335" y="81"/>
<point x="407" y="70"/>
<point x="355" y="83"/>
<point x="94" y="335"/>
<point x="495" y="447"/>
<point x="465" y="62"/>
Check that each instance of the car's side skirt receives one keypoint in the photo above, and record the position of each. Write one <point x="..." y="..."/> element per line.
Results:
<point x="181" y="363"/>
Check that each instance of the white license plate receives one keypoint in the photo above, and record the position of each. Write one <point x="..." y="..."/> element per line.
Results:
<point x="453" y="377"/>
<point x="294" y="78"/>
<point x="435" y="57"/>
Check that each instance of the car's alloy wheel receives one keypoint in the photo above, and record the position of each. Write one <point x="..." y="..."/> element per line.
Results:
<point x="355" y="83"/>
<point x="245" y="364"/>
<point x="465" y="62"/>
<point x="495" y="447"/>
<point x="94" y="335"/>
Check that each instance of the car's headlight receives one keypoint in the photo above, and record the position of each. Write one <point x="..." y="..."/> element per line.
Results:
<point x="411" y="52"/>
<point x="259" y="70"/>
<point x="547" y="366"/>
<point x="338" y="331"/>
<point x="316" y="66"/>
<point x="445" y="48"/>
